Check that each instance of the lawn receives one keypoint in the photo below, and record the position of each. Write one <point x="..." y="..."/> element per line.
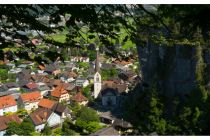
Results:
<point x="61" y="37"/>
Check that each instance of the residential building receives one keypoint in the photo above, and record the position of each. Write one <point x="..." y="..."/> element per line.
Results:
<point x="123" y="64"/>
<point x="30" y="100"/>
<point x="60" y="94"/>
<point x="46" y="103"/>
<point x="82" y="82"/>
<point x="30" y="87"/>
<point x="43" y="116"/>
<point x="79" y="98"/>
<point x="5" y="120"/>
<point x="12" y="87"/>
<point x="62" y="111"/>
<point x="43" y="88"/>
<point x="80" y="59"/>
<point x="7" y="104"/>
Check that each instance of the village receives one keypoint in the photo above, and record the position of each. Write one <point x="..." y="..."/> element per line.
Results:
<point x="53" y="95"/>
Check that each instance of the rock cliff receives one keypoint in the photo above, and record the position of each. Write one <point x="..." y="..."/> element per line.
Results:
<point x="174" y="68"/>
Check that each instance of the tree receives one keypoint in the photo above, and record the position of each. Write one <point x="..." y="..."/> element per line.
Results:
<point x="57" y="132"/>
<point x="87" y="115"/>
<point x="22" y="113"/>
<point x="3" y="75"/>
<point x="46" y="131"/>
<point x="87" y="92"/>
<point x="27" y="127"/>
<point x="93" y="127"/>
<point x="68" y="128"/>
<point x="13" y="129"/>
<point x="87" y="120"/>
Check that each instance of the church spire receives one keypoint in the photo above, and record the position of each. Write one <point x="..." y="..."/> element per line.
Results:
<point x="97" y="67"/>
<point x="97" y="76"/>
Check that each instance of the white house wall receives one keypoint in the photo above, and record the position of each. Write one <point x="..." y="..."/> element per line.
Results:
<point x="54" y="120"/>
<point x="8" y="109"/>
<point x="39" y="127"/>
<point x="2" y="132"/>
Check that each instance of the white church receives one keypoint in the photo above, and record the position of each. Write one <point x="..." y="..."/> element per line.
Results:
<point x="107" y="96"/>
<point x="97" y="76"/>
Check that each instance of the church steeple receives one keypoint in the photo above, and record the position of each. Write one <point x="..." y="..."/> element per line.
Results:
<point x="97" y="67"/>
<point x="97" y="76"/>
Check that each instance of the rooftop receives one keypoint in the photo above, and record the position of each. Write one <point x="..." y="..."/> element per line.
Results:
<point x="7" y="101"/>
<point x="40" y="116"/>
<point x="79" y="97"/>
<point x="4" y="120"/>
<point x="46" y="103"/>
<point x="58" y="91"/>
<point x="31" y="97"/>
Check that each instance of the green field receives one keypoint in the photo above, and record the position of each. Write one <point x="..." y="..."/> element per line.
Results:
<point x="61" y="37"/>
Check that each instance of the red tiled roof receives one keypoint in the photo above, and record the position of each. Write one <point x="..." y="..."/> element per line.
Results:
<point x="31" y="97"/>
<point x="122" y="62"/>
<point x="31" y="85"/>
<point x="79" y="97"/>
<point x="42" y="67"/>
<point x="56" y="82"/>
<point x="46" y="103"/>
<point x="4" y="120"/>
<point x="40" y="116"/>
<point x="58" y="91"/>
<point x="7" y="101"/>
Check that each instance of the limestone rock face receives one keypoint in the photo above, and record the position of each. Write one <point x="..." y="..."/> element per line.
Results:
<point x="173" y="68"/>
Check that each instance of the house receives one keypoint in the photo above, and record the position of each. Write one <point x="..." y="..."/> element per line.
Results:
<point x="53" y="82"/>
<point x="7" y="104"/>
<point x="30" y="100"/>
<point x="43" y="88"/>
<point x="15" y="70"/>
<point x="68" y="86"/>
<point x="56" y="107"/>
<point x="82" y="82"/>
<point x="36" y="42"/>
<point x="115" y="84"/>
<point x="12" y="86"/>
<point x="107" y="66"/>
<point x="79" y="98"/>
<point x="29" y="87"/>
<point x="3" y="90"/>
<point x="121" y="124"/>
<point x="43" y="116"/>
<point x="109" y="97"/>
<point x="5" y="120"/>
<point x="68" y="76"/>
<point x="23" y="66"/>
<point x="11" y="65"/>
<point x="46" y="103"/>
<point x="60" y="94"/>
<point x="62" y="111"/>
<point x="10" y="89"/>
<point x="123" y="64"/>
<point x="29" y="63"/>
<point x="52" y="69"/>
<point x="24" y="77"/>
<point x="80" y="59"/>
